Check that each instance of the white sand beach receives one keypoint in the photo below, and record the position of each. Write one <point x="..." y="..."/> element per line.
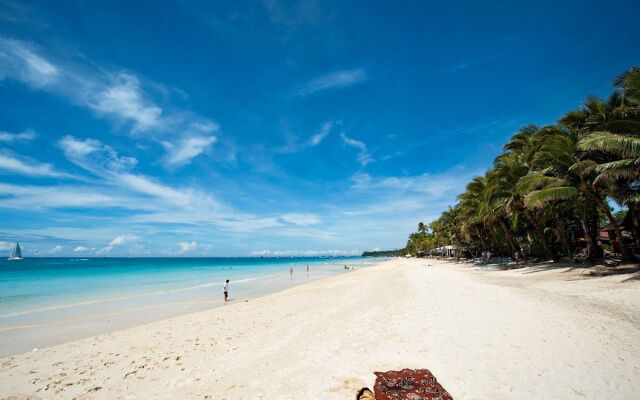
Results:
<point x="519" y="334"/>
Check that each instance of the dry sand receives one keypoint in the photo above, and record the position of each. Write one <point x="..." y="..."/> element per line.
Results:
<point x="521" y="334"/>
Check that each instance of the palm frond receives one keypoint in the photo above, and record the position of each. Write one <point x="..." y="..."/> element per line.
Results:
<point x="621" y="145"/>
<point x="539" y="198"/>
<point x="616" y="165"/>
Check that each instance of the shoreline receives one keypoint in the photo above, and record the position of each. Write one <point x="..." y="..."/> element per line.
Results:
<point x="59" y="324"/>
<point x="484" y="334"/>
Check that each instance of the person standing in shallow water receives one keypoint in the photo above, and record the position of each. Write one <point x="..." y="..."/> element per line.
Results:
<point x="226" y="290"/>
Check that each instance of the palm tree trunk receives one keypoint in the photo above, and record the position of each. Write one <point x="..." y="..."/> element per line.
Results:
<point x="587" y="236"/>
<point x="497" y="248"/>
<point x="540" y="233"/>
<point x="627" y="256"/>
<point x="481" y="237"/>
<point x="507" y="234"/>
<point x="563" y="235"/>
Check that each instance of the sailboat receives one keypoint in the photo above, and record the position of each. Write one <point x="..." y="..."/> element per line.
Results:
<point x="16" y="255"/>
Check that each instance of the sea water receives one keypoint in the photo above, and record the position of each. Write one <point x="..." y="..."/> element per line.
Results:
<point x="46" y="301"/>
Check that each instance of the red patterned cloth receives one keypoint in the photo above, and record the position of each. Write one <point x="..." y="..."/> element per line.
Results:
<point x="409" y="384"/>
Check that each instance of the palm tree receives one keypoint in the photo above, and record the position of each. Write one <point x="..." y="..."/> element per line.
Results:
<point x="470" y="202"/>
<point x="553" y="179"/>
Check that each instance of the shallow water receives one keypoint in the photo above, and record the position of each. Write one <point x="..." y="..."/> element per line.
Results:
<point x="45" y="301"/>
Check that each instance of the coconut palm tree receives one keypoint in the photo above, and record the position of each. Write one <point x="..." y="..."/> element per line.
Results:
<point x="553" y="179"/>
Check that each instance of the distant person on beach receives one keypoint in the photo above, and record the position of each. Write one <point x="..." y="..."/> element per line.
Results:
<point x="226" y="290"/>
<point x="307" y="268"/>
<point x="291" y="271"/>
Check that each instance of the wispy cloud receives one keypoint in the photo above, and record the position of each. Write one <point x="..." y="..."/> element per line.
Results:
<point x="120" y="186"/>
<point x="124" y="99"/>
<point x="295" y="144"/>
<point x="364" y="157"/>
<point x="35" y="197"/>
<point x="334" y="80"/>
<point x="116" y="170"/>
<point x="428" y="194"/>
<point x="20" y="60"/>
<point x="434" y="185"/>
<point x="9" y="137"/>
<point x="301" y="219"/>
<point x="182" y="152"/>
<point x="319" y="137"/>
<point x="28" y="167"/>
<point x="120" y="96"/>
<point x="293" y="14"/>
<point x="94" y="156"/>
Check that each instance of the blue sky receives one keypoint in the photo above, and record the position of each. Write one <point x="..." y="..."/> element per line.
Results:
<point x="274" y="127"/>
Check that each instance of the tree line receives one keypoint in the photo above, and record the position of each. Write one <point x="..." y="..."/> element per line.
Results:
<point x="552" y="187"/>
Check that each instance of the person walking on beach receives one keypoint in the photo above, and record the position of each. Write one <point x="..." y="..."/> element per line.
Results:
<point x="226" y="291"/>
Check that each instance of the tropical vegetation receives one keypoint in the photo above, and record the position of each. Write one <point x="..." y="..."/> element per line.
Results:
<point x="552" y="188"/>
<point x="381" y="253"/>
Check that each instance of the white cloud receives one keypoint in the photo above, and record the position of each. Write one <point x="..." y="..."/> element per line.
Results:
<point x="364" y="157"/>
<point x="9" y="137"/>
<point x="132" y="191"/>
<point x="117" y="95"/>
<point x="184" y="151"/>
<point x="338" y="79"/>
<point x="448" y="183"/>
<point x="28" y="167"/>
<point x="192" y="247"/>
<point x="19" y="60"/>
<point x="294" y="144"/>
<point x="56" y="249"/>
<point x="81" y="249"/>
<point x="122" y="239"/>
<point x="187" y="198"/>
<point x="124" y="99"/>
<point x="6" y="246"/>
<point x="301" y="219"/>
<point x="116" y="242"/>
<point x="105" y="250"/>
<point x="186" y="247"/>
<point x="94" y="156"/>
<point x="319" y="137"/>
<point x="64" y="196"/>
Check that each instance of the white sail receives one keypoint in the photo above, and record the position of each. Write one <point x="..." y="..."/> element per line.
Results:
<point x="16" y="254"/>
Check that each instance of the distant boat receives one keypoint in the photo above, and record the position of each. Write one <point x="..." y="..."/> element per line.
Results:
<point x="16" y="255"/>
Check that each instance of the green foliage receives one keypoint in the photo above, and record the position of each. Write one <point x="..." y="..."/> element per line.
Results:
<point x="381" y="253"/>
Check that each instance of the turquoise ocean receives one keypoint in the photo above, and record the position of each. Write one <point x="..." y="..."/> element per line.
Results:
<point x="46" y="301"/>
